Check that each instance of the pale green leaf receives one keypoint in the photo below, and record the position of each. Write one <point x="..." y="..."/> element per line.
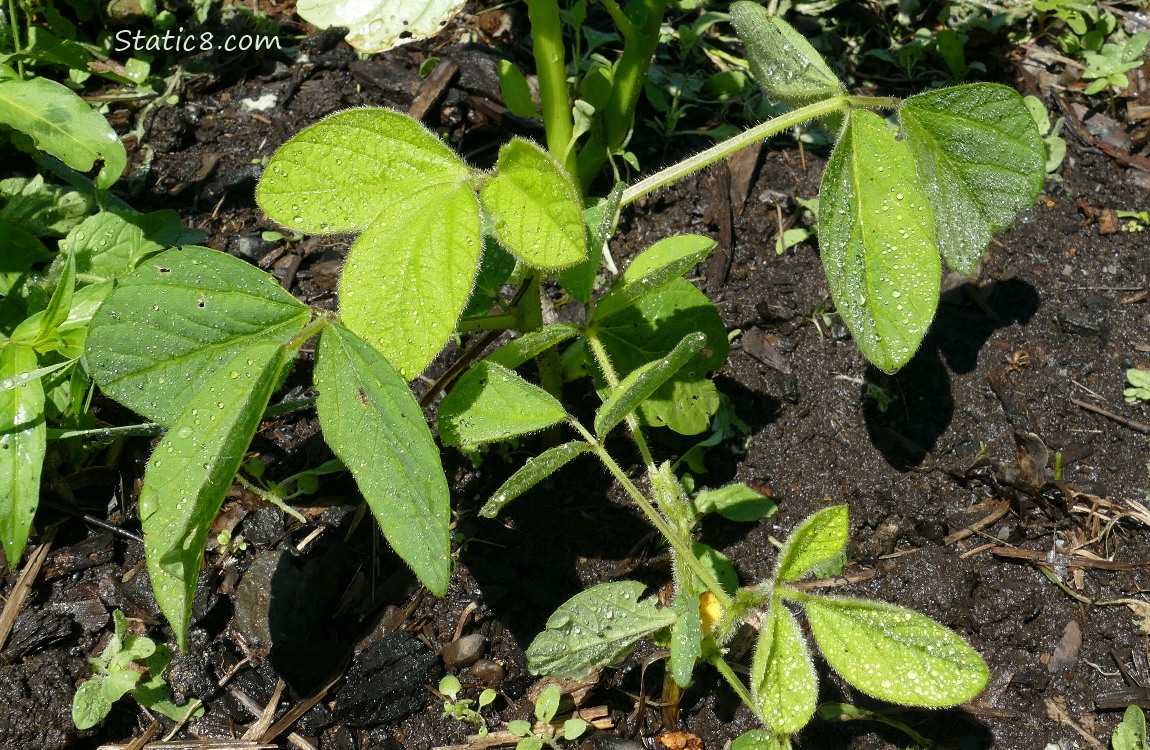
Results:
<point x="408" y="276"/>
<point x="192" y="468"/>
<point x="686" y="639"/>
<point x="783" y="681"/>
<point x="516" y="92"/>
<point x="537" y="210"/>
<point x="374" y="424"/>
<point x="643" y="381"/>
<point x="1131" y="733"/>
<point x="177" y="320"/>
<point x="877" y="242"/>
<point x="532" y="344"/>
<point x="378" y="25"/>
<point x="23" y="440"/>
<point x="895" y="654"/>
<point x="547" y="704"/>
<point x="112" y="243"/>
<point x="782" y="60"/>
<point x="534" y="471"/>
<point x="735" y="502"/>
<point x="61" y="124"/>
<point x="490" y="403"/>
<point x="89" y="706"/>
<point x="653" y="269"/>
<point x="980" y="159"/>
<point x="595" y="628"/>
<point x="817" y="541"/>
<point x="342" y="173"/>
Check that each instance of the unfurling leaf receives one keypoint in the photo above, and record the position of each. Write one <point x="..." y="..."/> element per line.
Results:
<point x="817" y="540"/>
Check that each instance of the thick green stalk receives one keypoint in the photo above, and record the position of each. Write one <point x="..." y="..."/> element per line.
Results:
<point x="551" y="67"/>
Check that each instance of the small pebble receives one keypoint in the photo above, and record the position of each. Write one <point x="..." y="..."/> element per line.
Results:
<point x="487" y="671"/>
<point x="464" y="652"/>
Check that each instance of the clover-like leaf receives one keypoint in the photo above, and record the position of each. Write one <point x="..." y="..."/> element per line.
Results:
<point x="491" y="403"/>
<point x="374" y="424"/>
<point x="877" y="242"/>
<point x="783" y="681"/>
<point x="980" y="159"/>
<point x="595" y="628"/>
<point x="816" y="541"/>
<point x="782" y="60"/>
<point x="895" y="654"/>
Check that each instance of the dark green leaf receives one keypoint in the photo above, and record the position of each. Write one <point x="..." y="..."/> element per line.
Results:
<point x="782" y="60"/>
<point x="516" y="92"/>
<point x="653" y="269"/>
<point x="532" y="344"/>
<point x="735" y="502"/>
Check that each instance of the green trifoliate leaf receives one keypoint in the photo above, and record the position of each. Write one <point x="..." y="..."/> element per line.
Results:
<point x="192" y="469"/>
<point x="653" y="269"/>
<point x="374" y="424"/>
<point x="642" y="382"/>
<point x="817" y="540"/>
<point x="783" y="681"/>
<point x="538" y="214"/>
<point x="177" y="321"/>
<point x="895" y="654"/>
<point x="735" y="502"/>
<point x="648" y="329"/>
<point x="62" y="124"/>
<point x="782" y="60"/>
<point x="980" y="159"/>
<point x="877" y="241"/>
<point x="595" y="628"/>
<point x="343" y="172"/>
<point x="532" y="473"/>
<point x="408" y="276"/>
<point x="495" y="270"/>
<point x="491" y="403"/>
<point x="532" y="344"/>
<point x="686" y="638"/>
<point x="23" y="440"/>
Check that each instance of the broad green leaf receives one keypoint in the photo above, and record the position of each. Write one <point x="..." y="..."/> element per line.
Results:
<point x="735" y="502"/>
<point x="649" y="329"/>
<point x="491" y="403"/>
<point x="374" y="424"/>
<point x="532" y="473"/>
<point x="40" y="208"/>
<point x="783" y="681"/>
<point x="818" y="540"/>
<point x="23" y="440"/>
<point x="877" y="241"/>
<point x="112" y="243"/>
<point x="377" y="25"/>
<point x="642" y="382"/>
<point x="516" y="92"/>
<point x="595" y="628"/>
<point x="653" y="269"/>
<point x="782" y="60"/>
<point x="409" y="275"/>
<point x="192" y="469"/>
<point x="537" y="210"/>
<point x="532" y="344"/>
<point x="895" y="654"/>
<point x="59" y="305"/>
<point x="686" y="638"/>
<point x="600" y="218"/>
<point x="719" y="565"/>
<point x="342" y="173"/>
<point x="62" y="124"/>
<point x="177" y="320"/>
<point x="980" y="159"/>
<point x="1131" y="733"/>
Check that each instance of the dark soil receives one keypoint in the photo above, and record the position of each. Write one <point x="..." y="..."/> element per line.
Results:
<point x="1017" y="369"/>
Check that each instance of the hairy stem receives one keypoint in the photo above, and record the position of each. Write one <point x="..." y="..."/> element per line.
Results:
<point x="551" y="67"/>
<point x="604" y="361"/>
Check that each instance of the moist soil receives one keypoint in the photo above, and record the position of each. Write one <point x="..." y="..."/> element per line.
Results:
<point x="954" y="504"/>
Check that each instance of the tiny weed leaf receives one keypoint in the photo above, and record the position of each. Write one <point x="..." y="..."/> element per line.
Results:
<point x="594" y="628"/>
<point x="491" y="403"/>
<point x="573" y="729"/>
<point x="895" y="654"/>
<point x="783" y="681"/>
<point x="534" y="471"/>
<point x="980" y="159"/>
<point x="782" y="60"/>
<point x="817" y="540"/>
<point x="720" y="567"/>
<point x="177" y="321"/>
<point x="579" y="280"/>
<point x="532" y="344"/>
<point x="548" y="704"/>
<point x="686" y="638"/>
<point x="1131" y="733"/>
<point x="374" y="424"/>
<point x="192" y="469"/>
<point x="519" y="727"/>
<point x="318" y="180"/>
<point x="649" y="329"/>
<point x="877" y="241"/>
<point x="409" y="275"/>
<point x="653" y="269"/>
<point x="538" y="214"/>
<point x="23" y="441"/>
<point x="516" y="92"/>
<point x="643" y="381"/>
<point x="735" y="502"/>
<point x="61" y="124"/>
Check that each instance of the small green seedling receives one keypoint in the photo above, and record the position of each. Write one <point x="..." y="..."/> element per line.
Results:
<point x="1136" y="221"/>
<point x="129" y="664"/>
<point x="461" y="709"/>
<point x="1055" y="144"/>
<point x="545" y="709"/>
<point x="1139" y="389"/>
<point x="1131" y="733"/>
<point x="1107" y="68"/>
